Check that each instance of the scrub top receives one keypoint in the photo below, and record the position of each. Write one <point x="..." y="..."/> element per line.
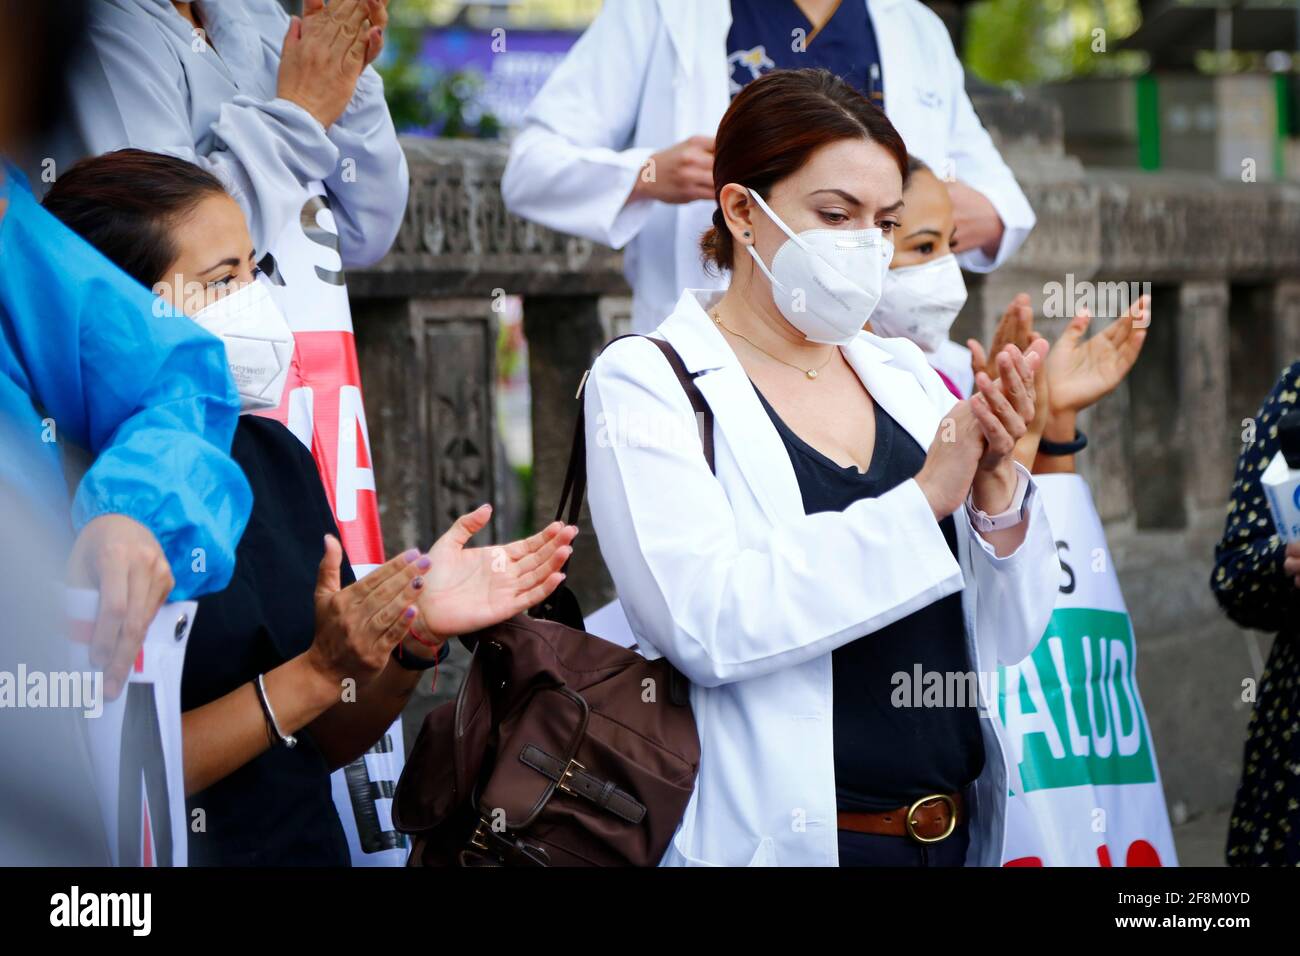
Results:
<point x="768" y="36"/>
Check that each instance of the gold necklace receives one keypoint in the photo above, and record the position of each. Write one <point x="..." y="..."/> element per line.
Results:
<point x="809" y="372"/>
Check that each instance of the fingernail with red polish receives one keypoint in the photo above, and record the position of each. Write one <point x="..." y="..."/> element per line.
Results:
<point x="417" y="583"/>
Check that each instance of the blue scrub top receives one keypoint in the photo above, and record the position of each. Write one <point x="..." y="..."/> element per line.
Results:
<point x="763" y="38"/>
<point x="86" y="362"/>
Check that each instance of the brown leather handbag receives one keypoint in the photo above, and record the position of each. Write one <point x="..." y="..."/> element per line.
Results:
<point x="561" y="749"/>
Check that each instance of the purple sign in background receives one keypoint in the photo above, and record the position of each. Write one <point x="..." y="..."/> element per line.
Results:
<point x="510" y="78"/>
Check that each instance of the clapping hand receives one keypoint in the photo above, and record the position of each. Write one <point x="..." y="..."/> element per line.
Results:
<point x="323" y="55"/>
<point x="1016" y="327"/>
<point x="467" y="589"/>
<point x="1082" y="372"/>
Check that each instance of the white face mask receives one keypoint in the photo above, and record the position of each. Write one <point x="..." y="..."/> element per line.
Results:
<point x="258" y="340"/>
<point x="921" y="302"/>
<point x="826" y="282"/>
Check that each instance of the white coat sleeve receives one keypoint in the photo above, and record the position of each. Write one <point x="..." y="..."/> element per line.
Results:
<point x="570" y="167"/>
<point x="977" y="163"/>
<point x="1016" y="593"/>
<point x="720" y="610"/>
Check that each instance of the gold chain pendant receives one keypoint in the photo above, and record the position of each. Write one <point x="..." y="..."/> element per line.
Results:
<point x="808" y="372"/>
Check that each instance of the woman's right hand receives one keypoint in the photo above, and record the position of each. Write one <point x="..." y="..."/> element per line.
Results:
<point x="1016" y="327"/>
<point x="679" y="174"/>
<point x="1291" y="563"/>
<point x="122" y="560"/>
<point x="357" y="627"/>
<point x="322" y="58"/>
<point x="950" y="464"/>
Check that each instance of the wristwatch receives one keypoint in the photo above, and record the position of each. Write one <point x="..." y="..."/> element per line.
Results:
<point x="1014" y="514"/>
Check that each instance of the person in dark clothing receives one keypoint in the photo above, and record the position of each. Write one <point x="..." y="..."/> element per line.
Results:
<point x="296" y="668"/>
<point x="1256" y="579"/>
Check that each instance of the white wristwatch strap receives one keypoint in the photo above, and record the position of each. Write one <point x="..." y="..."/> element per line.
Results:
<point x="1008" y="519"/>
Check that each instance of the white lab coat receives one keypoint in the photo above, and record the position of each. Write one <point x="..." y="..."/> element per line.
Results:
<point x="146" y="82"/>
<point x="650" y="73"/>
<point x="748" y="596"/>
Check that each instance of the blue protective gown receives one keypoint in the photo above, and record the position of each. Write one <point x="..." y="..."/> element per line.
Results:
<point x="86" y="362"/>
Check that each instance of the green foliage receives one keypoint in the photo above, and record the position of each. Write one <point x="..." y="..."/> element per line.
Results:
<point x="453" y="100"/>
<point x="422" y="97"/>
<point x="406" y="80"/>
<point x="1038" y="41"/>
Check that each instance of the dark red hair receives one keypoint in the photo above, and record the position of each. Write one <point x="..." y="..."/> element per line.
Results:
<point x="773" y="127"/>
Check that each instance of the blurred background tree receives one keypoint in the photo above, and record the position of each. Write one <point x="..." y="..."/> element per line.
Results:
<point x="422" y="97"/>
<point x="406" y="79"/>
<point x="1037" y="41"/>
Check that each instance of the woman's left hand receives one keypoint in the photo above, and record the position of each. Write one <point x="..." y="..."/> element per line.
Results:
<point x="1084" y="371"/>
<point x="1004" y="410"/>
<point x="376" y="13"/>
<point x="468" y="589"/>
<point x="1291" y="563"/>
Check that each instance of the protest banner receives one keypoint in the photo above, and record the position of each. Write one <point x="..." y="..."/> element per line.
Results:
<point x="1085" y="786"/>
<point x="135" y="741"/>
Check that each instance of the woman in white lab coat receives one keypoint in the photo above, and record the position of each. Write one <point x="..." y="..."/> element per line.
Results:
<point x="749" y="584"/>
<point x="651" y="78"/>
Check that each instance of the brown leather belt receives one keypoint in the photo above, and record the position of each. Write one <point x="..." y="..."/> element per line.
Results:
<point x="929" y="820"/>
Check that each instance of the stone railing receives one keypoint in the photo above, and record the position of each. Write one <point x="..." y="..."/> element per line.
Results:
<point x="1224" y="271"/>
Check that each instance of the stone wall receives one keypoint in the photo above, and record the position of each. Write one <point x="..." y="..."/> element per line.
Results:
<point x="1222" y="262"/>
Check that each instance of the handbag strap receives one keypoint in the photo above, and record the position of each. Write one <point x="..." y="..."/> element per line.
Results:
<point x="575" y="475"/>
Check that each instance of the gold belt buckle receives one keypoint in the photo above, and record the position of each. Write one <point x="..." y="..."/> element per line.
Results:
<point x="569" y="770"/>
<point x="479" y="839"/>
<point x="910" y="824"/>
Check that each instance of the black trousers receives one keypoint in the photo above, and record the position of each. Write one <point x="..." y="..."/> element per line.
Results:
<point x="869" y="849"/>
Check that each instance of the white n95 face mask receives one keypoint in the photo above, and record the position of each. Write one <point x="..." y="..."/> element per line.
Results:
<point x="826" y="282"/>
<point x="258" y="340"/>
<point x="921" y="302"/>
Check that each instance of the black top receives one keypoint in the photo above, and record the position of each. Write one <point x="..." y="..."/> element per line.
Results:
<point x="888" y="756"/>
<point x="276" y="809"/>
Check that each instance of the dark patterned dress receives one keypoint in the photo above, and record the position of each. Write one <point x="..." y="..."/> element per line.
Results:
<point x="1251" y="585"/>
